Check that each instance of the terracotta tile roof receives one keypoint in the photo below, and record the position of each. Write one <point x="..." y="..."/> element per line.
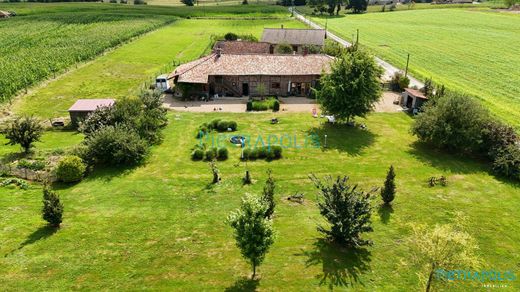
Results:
<point x="294" y="36"/>
<point x="251" y="64"/>
<point x="88" y="105"/>
<point x="415" y="93"/>
<point x="242" y="47"/>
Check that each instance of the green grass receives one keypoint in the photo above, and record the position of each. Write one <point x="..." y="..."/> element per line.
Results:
<point x="469" y="51"/>
<point x="161" y="226"/>
<point x="263" y="105"/>
<point x="122" y="72"/>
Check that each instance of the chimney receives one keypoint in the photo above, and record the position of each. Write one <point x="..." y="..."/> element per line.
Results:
<point x="219" y="52"/>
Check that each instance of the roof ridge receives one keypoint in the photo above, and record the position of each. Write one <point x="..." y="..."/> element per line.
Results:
<point x="193" y="67"/>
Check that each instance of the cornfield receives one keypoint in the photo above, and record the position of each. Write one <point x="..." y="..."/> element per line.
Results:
<point x="37" y="47"/>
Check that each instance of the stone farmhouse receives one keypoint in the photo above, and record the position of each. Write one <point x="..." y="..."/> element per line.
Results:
<point x="240" y="68"/>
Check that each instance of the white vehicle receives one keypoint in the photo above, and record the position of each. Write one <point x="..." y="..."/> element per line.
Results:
<point x="161" y="83"/>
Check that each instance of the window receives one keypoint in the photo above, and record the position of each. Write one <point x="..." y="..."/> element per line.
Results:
<point x="275" y="85"/>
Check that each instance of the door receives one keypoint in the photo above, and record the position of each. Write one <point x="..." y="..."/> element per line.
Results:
<point x="245" y="89"/>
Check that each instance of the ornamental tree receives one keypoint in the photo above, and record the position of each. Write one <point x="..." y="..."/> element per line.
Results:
<point x="388" y="190"/>
<point x="346" y="209"/>
<point x="52" y="210"/>
<point x="24" y="131"/>
<point x="254" y="234"/>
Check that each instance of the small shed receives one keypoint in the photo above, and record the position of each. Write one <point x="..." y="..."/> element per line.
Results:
<point x="413" y="98"/>
<point x="83" y="107"/>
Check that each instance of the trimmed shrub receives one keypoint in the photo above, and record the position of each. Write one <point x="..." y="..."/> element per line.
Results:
<point x="116" y="146"/>
<point x="247" y="154"/>
<point x="277" y="151"/>
<point x="276" y="106"/>
<point x="211" y="154"/>
<point x="222" y="153"/>
<point x="222" y="126"/>
<point x="197" y="154"/>
<point x="249" y="106"/>
<point x="213" y="125"/>
<point x="70" y="169"/>
<point x="233" y="125"/>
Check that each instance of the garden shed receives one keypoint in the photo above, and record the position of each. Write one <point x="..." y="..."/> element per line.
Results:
<point x="413" y="98"/>
<point x="83" y="107"/>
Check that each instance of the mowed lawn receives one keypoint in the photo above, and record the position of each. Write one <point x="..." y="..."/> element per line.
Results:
<point x="161" y="226"/>
<point x="467" y="50"/>
<point x="123" y="71"/>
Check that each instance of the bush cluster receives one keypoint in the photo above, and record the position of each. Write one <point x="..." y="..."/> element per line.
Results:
<point x="459" y="123"/>
<point x="70" y="169"/>
<point x="216" y="125"/>
<point x="263" y="152"/>
<point x="201" y="153"/>
<point x="123" y="132"/>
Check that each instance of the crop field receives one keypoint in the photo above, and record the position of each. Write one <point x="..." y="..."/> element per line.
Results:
<point x="162" y="225"/>
<point x="43" y="41"/>
<point x="123" y="71"/>
<point x="470" y="51"/>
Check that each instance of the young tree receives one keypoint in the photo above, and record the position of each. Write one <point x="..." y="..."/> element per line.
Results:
<point x="24" y="131"/>
<point x="441" y="248"/>
<point x="346" y="208"/>
<point x="52" y="211"/>
<point x="268" y="195"/>
<point x="388" y="190"/>
<point x="352" y="87"/>
<point x="254" y="234"/>
<point x="214" y="171"/>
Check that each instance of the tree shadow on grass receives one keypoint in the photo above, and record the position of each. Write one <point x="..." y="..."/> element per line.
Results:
<point x="341" y="267"/>
<point x="243" y="284"/>
<point x="343" y="138"/>
<point x="41" y="233"/>
<point x="446" y="161"/>
<point x="385" y="211"/>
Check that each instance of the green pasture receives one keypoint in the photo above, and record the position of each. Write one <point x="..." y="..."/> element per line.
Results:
<point x="161" y="226"/>
<point x="471" y="51"/>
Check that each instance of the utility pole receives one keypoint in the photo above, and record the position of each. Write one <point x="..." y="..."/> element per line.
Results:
<point x="407" y="62"/>
<point x="357" y="37"/>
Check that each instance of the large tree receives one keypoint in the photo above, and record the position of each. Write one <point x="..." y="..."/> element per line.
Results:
<point x="454" y="122"/>
<point x="357" y="6"/>
<point x="352" y="86"/>
<point x="24" y="131"/>
<point x="346" y="208"/>
<point x="254" y="234"/>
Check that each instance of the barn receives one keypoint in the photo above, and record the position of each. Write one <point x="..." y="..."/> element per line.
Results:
<point x="83" y="107"/>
